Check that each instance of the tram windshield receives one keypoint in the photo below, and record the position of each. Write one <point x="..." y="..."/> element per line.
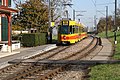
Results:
<point x="64" y="29"/>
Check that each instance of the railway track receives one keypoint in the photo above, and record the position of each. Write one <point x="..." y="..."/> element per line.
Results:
<point x="33" y="71"/>
<point x="19" y="67"/>
<point x="15" y="66"/>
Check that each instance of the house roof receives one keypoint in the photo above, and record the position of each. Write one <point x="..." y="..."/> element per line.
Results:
<point x="4" y="10"/>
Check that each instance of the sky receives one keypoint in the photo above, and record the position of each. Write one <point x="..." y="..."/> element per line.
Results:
<point x="90" y="10"/>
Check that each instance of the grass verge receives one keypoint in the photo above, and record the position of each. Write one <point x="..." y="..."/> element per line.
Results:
<point x="108" y="71"/>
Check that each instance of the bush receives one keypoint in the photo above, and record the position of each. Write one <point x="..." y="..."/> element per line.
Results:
<point x="16" y="37"/>
<point x="33" y="39"/>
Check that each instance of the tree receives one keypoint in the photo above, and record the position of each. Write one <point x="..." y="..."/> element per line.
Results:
<point x="33" y="14"/>
<point x="118" y="17"/>
<point x="57" y="8"/>
<point x="102" y="24"/>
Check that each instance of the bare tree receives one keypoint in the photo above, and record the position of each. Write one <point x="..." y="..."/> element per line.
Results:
<point x="57" y="8"/>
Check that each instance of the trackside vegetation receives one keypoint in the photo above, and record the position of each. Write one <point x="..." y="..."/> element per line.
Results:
<point x="108" y="71"/>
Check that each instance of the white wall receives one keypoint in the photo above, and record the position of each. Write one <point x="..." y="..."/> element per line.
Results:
<point x="18" y="32"/>
<point x="14" y="46"/>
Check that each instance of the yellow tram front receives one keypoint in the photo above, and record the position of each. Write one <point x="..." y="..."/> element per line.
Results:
<point x="69" y="32"/>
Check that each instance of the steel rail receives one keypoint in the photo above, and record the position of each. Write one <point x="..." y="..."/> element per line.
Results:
<point x="23" y="74"/>
<point x="78" y="52"/>
<point x="63" y="67"/>
<point x="20" y="72"/>
<point x="51" y="73"/>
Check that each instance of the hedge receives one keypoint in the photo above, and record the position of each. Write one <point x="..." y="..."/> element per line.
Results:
<point x="33" y="39"/>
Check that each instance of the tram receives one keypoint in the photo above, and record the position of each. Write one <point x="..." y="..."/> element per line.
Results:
<point x="70" y="32"/>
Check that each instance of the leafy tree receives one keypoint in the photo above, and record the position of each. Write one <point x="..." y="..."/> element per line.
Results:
<point x="102" y="24"/>
<point x="118" y="17"/>
<point x="33" y="14"/>
<point x="102" y="21"/>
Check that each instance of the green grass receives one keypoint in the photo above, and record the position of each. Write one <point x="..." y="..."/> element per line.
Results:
<point x="111" y="38"/>
<point x="108" y="71"/>
<point x="105" y="72"/>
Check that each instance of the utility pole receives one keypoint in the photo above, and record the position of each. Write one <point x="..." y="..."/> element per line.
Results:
<point x="67" y="10"/>
<point x="73" y="14"/>
<point x="106" y="21"/>
<point x="115" y="27"/>
<point x="95" y="23"/>
<point x="67" y="14"/>
<point x="49" y="26"/>
<point x="95" y="18"/>
<point x="49" y="14"/>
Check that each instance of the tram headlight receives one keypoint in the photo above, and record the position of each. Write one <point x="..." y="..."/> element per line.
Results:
<point x="64" y="37"/>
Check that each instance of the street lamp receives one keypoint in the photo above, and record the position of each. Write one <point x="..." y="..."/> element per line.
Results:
<point x="78" y="14"/>
<point x="49" y="24"/>
<point x="106" y="21"/>
<point x="49" y="13"/>
<point x="67" y="4"/>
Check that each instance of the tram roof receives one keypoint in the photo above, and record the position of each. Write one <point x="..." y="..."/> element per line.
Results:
<point x="75" y="23"/>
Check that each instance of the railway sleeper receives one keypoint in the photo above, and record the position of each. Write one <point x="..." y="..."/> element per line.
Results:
<point x="52" y="73"/>
<point x="75" y="62"/>
<point x="85" y="77"/>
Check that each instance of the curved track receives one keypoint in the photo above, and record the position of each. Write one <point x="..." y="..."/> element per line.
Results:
<point x="29" y="71"/>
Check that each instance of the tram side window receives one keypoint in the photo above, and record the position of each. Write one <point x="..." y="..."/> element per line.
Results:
<point x="75" y="29"/>
<point x="81" y="29"/>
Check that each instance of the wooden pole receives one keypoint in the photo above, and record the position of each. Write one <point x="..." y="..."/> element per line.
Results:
<point x="9" y="33"/>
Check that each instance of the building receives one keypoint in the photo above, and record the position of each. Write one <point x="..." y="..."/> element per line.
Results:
<point x="5" y="23"/>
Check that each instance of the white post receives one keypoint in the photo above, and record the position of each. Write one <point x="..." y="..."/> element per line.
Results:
<point x="9" y="49"/>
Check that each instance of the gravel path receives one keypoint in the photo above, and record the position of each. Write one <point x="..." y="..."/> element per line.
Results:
<point x="72" y="49"/>
<point x="74" y="72"/>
